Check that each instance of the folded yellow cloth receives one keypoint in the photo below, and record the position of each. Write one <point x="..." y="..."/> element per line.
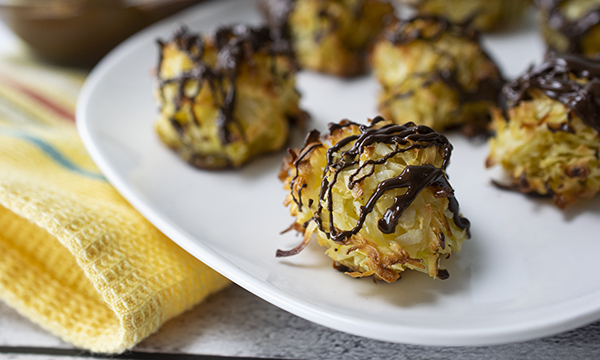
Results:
<point x="75" y="257"/>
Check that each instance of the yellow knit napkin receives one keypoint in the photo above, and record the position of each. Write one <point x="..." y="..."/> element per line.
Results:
<point x="75" y="257"/>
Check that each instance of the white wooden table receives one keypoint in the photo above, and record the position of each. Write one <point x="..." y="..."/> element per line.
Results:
<point x="236" y="324"/>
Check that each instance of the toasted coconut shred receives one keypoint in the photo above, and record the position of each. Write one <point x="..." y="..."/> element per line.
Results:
<point x="226" y="98"/>
<point x="435" y="72"/>
<point x="332" y="37"/>
<point x="548" y="143"/>
<point x="377" y="197"/>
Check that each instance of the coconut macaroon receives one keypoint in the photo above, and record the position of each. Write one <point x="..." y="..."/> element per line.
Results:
<point x="330" y="36"/>
<point x="434" y="72"/>
<point x="549" y="143"/>
<point x="227" y="98"/>
<point x="377" y="197"/>
<point x="571" y="26"/>
<point x="485" y="15"/>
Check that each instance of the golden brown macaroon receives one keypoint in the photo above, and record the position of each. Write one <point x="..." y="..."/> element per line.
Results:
<point x="227" y="98"/>
<point x="549" y="143"/>
<point x="485" y="15"/>
<point x="434" y="72"/>
<point x="571" y="26"/>
<point x="330" y="36"/>
<point x="377" y="197"/>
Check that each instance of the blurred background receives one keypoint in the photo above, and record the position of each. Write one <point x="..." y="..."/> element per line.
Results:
<point x="80" y="32"/>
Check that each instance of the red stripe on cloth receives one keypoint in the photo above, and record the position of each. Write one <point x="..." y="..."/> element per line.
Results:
<point x="57" y="109"/>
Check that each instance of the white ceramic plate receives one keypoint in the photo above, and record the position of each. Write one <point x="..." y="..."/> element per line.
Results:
<point x="528" y="271"/>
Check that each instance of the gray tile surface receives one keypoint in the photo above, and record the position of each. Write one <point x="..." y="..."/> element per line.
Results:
<point x="236" y="323"/>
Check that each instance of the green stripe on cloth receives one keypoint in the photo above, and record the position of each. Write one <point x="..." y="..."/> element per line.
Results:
<point x="52" y="152"/>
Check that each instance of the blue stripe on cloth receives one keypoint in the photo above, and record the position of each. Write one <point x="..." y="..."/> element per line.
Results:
<point x="52" y="153"/>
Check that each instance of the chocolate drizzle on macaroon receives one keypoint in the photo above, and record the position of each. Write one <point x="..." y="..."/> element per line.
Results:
<point x="329" y="36"/>
<point x="378" y="198"/>
<point x="555" y="79"/>
<point x="277" y="14"/>
<point x="574" y="30"/>
<point x="431" y="28"/>
<point x="235" y="45"/>
<point x="414" y="178"/>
